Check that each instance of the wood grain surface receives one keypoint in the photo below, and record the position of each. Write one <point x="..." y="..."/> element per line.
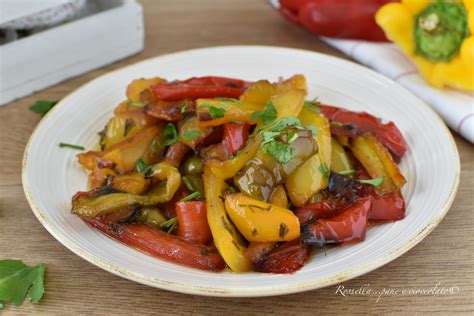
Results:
<point x="74" y="286"/>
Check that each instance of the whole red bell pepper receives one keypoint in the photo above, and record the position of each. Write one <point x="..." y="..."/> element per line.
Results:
<point x="192" y="221"/>
<point x="350" y="225"/>
<point x="389" y="134"/>
<point x="235" y="136"/>
<point x="353" y="19"/>
<point x="202" y="87"/>
<point x="162" y="245"/>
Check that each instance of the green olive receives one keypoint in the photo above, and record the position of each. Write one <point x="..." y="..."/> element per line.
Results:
<point x="152" y="216"/>
<point x="193" y="166"/>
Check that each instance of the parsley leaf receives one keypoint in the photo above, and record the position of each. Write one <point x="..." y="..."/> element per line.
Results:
<point x="128" y="126"/>
<point x="169" y="225"/>
<point x="323" y="168"/>
<point x="375" y="182"/>
<point x="183" y="107"/>
<point x="170" y="134"/>
<point x="310" y="105"/>
<point x="313" y="129"/>
<point x="16" y="279"/>
<point x="283" y="153"/>
<point x="192" y="134"/>
<point x="141" y="166"/>
<point x="347" y="172"/>
<point x="42" y="107"/>
<point x="190" y="197"/>
<point x="214" y="111"/>
<point x="228" y="99"/>
<point x="62" y="145"/>
<point x="137" y="104"/>
<point x="267" y="116"/>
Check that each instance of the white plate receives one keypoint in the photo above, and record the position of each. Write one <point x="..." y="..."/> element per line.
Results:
<point x="51" y="174"/>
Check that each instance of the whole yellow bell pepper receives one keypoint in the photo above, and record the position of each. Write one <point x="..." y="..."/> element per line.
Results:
<point x="437" y="36"/>
<point x="260" y="221"/>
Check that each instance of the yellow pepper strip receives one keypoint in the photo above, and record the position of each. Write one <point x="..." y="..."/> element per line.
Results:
<point x="312" y="176"/>
<point x="437" y="36"/>
<point x="297" y="82"/>
<point x="94" y="203"/>
<point x="135" y="183"/>
<point x="378" y="162"/>
<point x="258" y="93"/>
<point x="260" y="221"/>
<point x="339" y="159"/>
<point x="288" y="102"/>
<point x="137" y="86"/>
<point x="230" y="112"/>
<point x="226" y="237"/>
<point x="279" y="197"/>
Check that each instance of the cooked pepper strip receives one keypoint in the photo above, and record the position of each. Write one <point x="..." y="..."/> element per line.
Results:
<point x="228" y="111"/>
<point x="192" y="221"/>
<point x="226" y="237"/>
<point x="203" y="87"/>
<point x="162" y="245"/>
<point x="92" y="204"/>
<point x="235" y="136"/>
<point x="350" y="225"/>
<point x="378" y="162"/>
<point x="287" y="258"/>
<point x="340" y="161"/>
<point x="388" y="133"/>
<point x="260" y="221"/>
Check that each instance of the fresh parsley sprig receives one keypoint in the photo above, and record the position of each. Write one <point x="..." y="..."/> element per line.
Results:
<point x="169" y="225"/>
<point x="267" y="116"/>
<point x="17" y="280"/>
<point x="215" y="112"/>
<point x="192" y="134"/>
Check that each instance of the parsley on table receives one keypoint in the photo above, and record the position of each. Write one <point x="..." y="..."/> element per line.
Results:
<point x="192" y="134"/>
<point x="267" y="116"/>
<point x="17" y="280"/>
<point x="375" y="182"/>
<point x="63" y="145"/>
<point x="170" y="134"/>
<point x="215" y="112"/>
<point x="42" y="107"/>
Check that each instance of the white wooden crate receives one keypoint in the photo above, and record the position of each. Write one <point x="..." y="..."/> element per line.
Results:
<point x="46" y="58"/>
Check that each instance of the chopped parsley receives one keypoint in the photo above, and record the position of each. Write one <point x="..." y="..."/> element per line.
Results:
<point x="141" y="166"/>
<point x="192" y="134"/>
<point x="347" y="172"/>
<point x="310" y="105"/>
<point x="283" y="230"/>
<point x="313" y="129"/>
<point x="187" y="183"/>
<point x="128" y="126"/>
<point x="170" y="134"/>
<point x="169" y="225"/>
<point x="280" y="151"/>
<point x="323" y="168"/>
<point x="228" y="99"/>
<point x="375" y="182"/>
<point x="267" y="116"/>
<point x="63" y="145"/>
<point x="191" y="197"/>
<point x="42" y="107"/>
<point x="183" y="107"/>
<point x="137" y="104"/>
<point x="17" y="280"/>
<point x="215" y="112"/>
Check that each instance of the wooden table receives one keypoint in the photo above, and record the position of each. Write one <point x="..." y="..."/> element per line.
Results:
<point x="74" y="285"/>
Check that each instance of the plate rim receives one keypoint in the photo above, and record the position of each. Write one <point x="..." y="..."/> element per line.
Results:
<point x="251" y="291"/>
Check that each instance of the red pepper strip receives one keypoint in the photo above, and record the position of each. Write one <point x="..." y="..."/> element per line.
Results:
<point x="235" y="136"/>
<point x="387" y="207"/>
<point x="203" y="87"/>
<point x="322" y="209"/>
<point x="161" y="245"/>
<point x="350" y="225"/>
<point x="257" y="251"/>
<point x="324" y="17"/>
<point x="389" y="134"/>
<point x="287" y="258"/>
<point x="176" y="153"/>
<point x="192" y="221"/>
<point x="169" y="208"/>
